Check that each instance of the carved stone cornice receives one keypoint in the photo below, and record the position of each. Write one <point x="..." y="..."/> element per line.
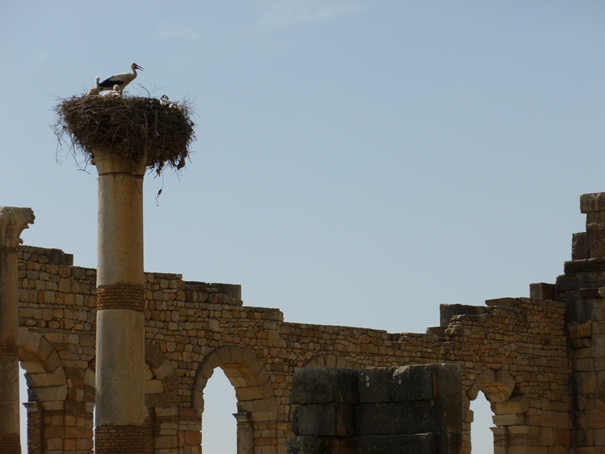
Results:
<point x="13" y="221"/>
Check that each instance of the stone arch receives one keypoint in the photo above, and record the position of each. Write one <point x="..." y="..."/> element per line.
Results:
<point x="508" y="406"/>
<point x="45" y="376"/>
<point x="161" y="382"/>
<point x="161" y="394"/>
<point x="256" y="402"/>
<point x="329" y="361"/>
<point x="47" y="387"/>
<point x="497" y="385"/>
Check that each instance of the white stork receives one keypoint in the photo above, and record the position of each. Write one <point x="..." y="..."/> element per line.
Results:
<point x="121" y="80"/>
<point x="94" y="91"/>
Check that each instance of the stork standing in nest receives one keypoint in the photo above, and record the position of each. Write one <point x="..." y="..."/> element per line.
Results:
<point x="121" y="80"/>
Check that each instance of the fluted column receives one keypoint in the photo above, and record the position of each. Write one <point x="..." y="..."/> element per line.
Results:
<point x="12" y="222"/>
<point x="120" y="336"/>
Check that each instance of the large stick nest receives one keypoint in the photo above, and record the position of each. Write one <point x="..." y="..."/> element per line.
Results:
<point x="127" y="127"/>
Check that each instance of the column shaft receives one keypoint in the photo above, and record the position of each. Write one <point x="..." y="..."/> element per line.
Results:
<point x="12" y="223"/>
<point x="120" y="337"/>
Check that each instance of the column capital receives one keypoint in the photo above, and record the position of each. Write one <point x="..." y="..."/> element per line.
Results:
<point x="108" y="164"/>
<point x="13" y="221"/>
<point x="243" y="418"/>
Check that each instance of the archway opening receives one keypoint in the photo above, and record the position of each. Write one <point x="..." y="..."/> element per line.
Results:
<point x="23" y="397"/>
<point x="482" y="439"/>
<point x="219" y="427"/>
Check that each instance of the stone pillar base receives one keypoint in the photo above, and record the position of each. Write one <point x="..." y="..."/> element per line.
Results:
<point x="121" y="439"/>
<point x="10" y="444"/>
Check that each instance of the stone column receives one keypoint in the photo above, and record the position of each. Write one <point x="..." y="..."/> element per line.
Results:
<point x="12" y="222"/>
<point x="245" y="432"/>
<point x="120" y="335"/>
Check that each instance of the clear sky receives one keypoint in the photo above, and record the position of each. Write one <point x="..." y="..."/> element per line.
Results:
<point x="357" y="162"/>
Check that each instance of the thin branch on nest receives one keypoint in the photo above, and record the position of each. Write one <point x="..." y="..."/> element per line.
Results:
<point x="128" y="127"/>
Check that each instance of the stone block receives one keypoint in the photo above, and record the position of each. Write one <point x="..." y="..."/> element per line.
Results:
<point x="580" y="248"/>
<point x="596" y="243"/>
<point x="324" y="419"/>
<point x="447" y="311"/>
<point x="411" y="383"/>
<point x="396" y="418"/>
<point x="56" y="378"/>
<point x="516" y="404"/>
<point x="590" y="203"/>
<point x="324" y="385"/>
<point x="595" y="221"/>
<point x="405" y="444"/>
<point x="166" y="441"/>
<point x="577" y="331"/>
<point x="193" y="437"/>
<point x="542" y="291"/>
<point x="33" y="367"/>
<point x="508" y="420"/>
<point x="309" y="445"/>
<point x="54" y="393"/>
<point x="375" y="385"/>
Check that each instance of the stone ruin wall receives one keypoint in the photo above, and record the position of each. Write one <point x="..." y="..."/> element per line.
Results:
<point x="539" y="360"/>
<point x="512" y="349"/>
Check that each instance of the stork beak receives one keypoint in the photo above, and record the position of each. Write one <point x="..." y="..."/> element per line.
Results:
<point x="138" y="67"/>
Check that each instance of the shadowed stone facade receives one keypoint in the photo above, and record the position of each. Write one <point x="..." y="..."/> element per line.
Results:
<point x="410" y="409"/>
<point x="539" y="360"/>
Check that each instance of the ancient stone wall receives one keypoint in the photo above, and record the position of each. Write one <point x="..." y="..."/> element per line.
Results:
<point x="514" y="351"/>
<point x="537" y="368"/>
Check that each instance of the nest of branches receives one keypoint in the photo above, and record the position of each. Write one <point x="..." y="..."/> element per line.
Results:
<point x="127" y="127"/>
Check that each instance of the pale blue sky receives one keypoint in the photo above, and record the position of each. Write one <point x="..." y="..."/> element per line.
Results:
<point x="357" y="162"/>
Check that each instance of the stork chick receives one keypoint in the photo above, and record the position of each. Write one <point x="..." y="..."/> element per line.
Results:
<point x="114" y="92"/>
<point x="121" y="80"/>
<point x="94" y="91"/>
<point x="165" y="101"/>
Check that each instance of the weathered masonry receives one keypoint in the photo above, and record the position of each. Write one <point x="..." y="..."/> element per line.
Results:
<point x="539" y="360"/>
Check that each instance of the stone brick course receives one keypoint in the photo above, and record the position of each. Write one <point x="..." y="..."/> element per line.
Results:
<point x="10" y="444"/>
<point x="120" y="297"/>
<point x="113" y="439"/>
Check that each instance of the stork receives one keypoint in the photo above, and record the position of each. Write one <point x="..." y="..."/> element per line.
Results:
<point x="164" y="100"/>
<point x="94" y="91"/>
<point x="121" y="80"/>
<point x="115" y="91"/>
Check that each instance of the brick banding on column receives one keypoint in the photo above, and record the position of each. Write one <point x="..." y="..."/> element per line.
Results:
<point x="121" y="297"/>
<point x="10" y="443"/>
<point x="122" y="439"/>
